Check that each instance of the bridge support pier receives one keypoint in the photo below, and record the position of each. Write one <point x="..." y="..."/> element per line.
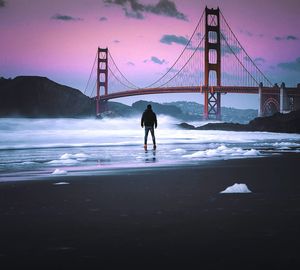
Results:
<point x="284" y="100"/>
<point x="103" y="106"/>
<point x="212" y="62"/>
<point x="269" y="100"/>
<point x="212" y="105"/>
<point x="260" y="100"/>
<point x="295" y="101"/>
<point x="102" y="76"/>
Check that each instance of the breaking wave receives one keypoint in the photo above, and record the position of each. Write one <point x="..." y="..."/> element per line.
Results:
<point x="66" y="144"/>
<point x="223" y="151"/>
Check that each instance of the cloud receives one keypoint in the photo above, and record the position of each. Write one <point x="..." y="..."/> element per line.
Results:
<point x="172" y="70"/>
<point x="289" y="37"/>
<point x="259" y="60"/>
<point x="167" y="8"/>
<point x="157" y="60"/>
<point x="134" y="9"/>
<point x="65" y="18"/>
<point x="200" y="49"/>
<point x="232" y="50"/>
<point x="2" y="3"/>
<point x="293" y="66"/>
<point x="247" y="33"/>
<point x="250" y="34"/>
<point x="169" y="39"/>
<point x="102" y="19"/>
<point x="133" y="14"/>
<point x="131" y="8"/>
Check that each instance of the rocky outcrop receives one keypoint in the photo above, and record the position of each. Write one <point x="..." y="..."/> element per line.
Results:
<point x="286" y="123"/>
<point x="278" y="122"/>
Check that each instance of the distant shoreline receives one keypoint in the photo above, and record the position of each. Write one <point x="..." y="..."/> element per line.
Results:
<point x="39" y="97"/>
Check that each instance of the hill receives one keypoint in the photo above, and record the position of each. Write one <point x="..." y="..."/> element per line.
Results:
<point x="33" y="96"/>
<point x="194" y="111"/>
<point x="159" y="108"/>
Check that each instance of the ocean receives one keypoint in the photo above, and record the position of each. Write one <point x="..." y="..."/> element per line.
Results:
<point x="36" y="148"/>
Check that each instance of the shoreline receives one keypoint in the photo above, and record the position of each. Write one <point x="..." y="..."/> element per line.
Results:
<point x="150" y="164"/>
<point x="158" y="218"/>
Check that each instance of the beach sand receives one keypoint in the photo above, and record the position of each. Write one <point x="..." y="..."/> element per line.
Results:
<point x="156" y="218"/>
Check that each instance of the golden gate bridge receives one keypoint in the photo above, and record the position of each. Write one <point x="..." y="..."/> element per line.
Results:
<point x="213" y="62"/>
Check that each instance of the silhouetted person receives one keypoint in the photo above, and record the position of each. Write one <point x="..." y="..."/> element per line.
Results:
<point x="149" y="121"/>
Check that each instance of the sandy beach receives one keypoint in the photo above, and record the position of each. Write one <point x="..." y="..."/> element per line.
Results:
<point x="156" y="218"/>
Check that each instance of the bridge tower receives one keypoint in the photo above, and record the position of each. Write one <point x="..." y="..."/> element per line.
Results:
<point x="102" y="76"/>
<point x="212" y="63"/>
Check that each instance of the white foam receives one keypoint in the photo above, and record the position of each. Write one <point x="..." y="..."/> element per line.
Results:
<point x="222" y="151"/>
<point x="79" y="156"/>
<point x="28" y="163"/>
<point x="66" y="156"/>
<point x="59" y="172"/>
<point x="288" y="144"/>
<point x="237" y="188"/>
<point x="63" y="162"/>
<point x="61" y="183"/>
<point x="46" y="133"/>
<point x="179" y="151"/>
<point x="251" y="152"/>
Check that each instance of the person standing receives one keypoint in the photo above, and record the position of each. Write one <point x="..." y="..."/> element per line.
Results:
<point x="149" y="120"/>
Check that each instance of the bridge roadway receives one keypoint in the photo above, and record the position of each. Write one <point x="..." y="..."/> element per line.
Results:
<point x="200" y="89"/>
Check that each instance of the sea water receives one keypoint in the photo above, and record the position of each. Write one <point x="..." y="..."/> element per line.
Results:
<point x="34" y="148"/>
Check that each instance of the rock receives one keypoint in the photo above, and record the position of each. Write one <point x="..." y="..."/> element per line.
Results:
<point x="289" y="123"/>
<point x="186" y="126"/>
<point x="286" y="123"/>
<point x="224" y="126"/>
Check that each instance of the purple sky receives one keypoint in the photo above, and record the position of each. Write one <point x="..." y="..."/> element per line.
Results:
<point x="58" y="38"/>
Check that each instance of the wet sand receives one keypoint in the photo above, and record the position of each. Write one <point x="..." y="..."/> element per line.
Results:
<point x="156" y="218"/>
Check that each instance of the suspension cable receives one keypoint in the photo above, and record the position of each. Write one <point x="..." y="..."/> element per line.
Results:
<point x="185" y="63"/>
<point x="213" y="20"/>
<point x="94" y="88"/>
<point x="245" y="51"/>
<point x="119" y="79"/>
<point x="180" y="54"/>
<point x="90" y="74"/>
<point x="134" y="86"/>
<point x="238" y="59"/>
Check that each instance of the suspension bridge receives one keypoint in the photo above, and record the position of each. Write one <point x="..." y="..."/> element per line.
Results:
<point x="213" y="62"/>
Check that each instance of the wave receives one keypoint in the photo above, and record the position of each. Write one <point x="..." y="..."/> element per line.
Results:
<point x="34" y="145"/>
<point x="17" y="134"/>
<point x="223" y="151"/>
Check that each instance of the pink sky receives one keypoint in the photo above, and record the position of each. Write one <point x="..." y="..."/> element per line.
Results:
<point x="33" y="43"/>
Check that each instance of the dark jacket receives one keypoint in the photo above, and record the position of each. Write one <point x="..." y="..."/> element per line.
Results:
<point x="149" y="118"/>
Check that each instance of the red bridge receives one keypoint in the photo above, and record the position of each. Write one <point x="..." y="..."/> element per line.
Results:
<point x="212" y="63"/>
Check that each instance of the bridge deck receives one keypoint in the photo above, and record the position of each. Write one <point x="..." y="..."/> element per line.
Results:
<point x="198" y="89"/>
